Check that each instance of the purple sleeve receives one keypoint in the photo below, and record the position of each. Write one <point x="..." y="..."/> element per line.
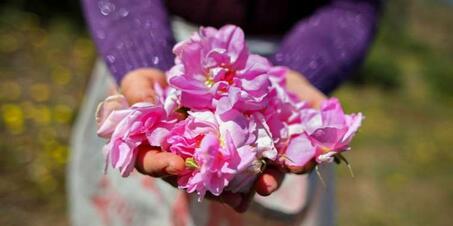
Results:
<point x="130" y="34"/>
<point x="330" y="44"/>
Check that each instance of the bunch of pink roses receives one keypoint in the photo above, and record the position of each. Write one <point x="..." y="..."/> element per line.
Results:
<point x="227" y="113"/>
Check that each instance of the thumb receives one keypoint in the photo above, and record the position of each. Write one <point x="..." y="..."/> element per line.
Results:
<point x="297" y="84"/>
<point x="138" y="85"/>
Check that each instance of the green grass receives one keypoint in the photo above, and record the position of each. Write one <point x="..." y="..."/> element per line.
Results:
<point x="402" y="161"/>
<point x="402" y="157"/>
<point x="43" y="73"/>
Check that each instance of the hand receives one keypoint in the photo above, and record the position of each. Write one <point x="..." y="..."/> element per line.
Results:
<point x="137" y="86"/>
<point x="299" y="85"/>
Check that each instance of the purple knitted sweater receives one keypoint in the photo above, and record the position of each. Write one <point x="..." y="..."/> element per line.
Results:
<point x="325" y="40"/>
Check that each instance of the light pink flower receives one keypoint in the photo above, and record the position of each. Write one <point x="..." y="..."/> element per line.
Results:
<point x="131" y="127"/>
<point x="332" y="130"/>
<point x="300" y="151"/>
<point x="294" y="145"/>
<point x="214" y="69"/>
<point x="312" y="134"/>
<point x="213" y="156"/>
<point x="106" y="124"/>
<point x="283" y="118"/>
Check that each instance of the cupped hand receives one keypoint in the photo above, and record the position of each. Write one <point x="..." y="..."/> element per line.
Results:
<point x="156" y="163"/>
<point x="137" y="86"/>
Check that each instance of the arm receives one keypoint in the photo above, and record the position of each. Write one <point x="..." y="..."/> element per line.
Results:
<point x="130" y="34"/>
<point x="330" y="44"/>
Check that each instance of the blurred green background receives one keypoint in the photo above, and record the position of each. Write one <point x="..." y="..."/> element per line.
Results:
<point x="403" y="157"/>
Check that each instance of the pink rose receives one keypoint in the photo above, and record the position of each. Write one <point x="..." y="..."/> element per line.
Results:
<point x="332" y="130"/>
<point x="214" y="69"/>
<point x="213" y="156"/>
<point x="128" y="128"/>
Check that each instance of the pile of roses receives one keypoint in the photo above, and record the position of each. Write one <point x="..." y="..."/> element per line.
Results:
<point x="227" y="113"/>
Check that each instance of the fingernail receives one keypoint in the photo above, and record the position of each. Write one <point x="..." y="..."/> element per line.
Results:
<point x="270" y="184"/>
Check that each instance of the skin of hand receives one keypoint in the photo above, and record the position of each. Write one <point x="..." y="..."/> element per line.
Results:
<point x="137" y="86"/>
